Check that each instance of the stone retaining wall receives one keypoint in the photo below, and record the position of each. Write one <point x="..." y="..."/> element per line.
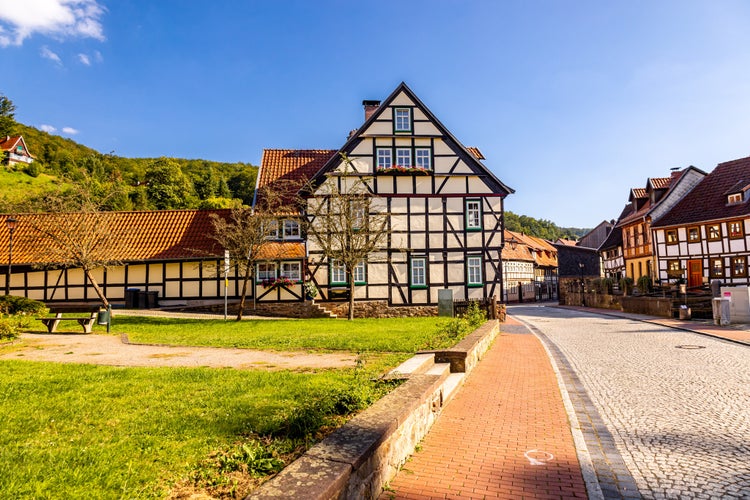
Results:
<point x="379" y="309"/>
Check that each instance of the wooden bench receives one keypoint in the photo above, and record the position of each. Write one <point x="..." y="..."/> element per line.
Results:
<point x="86" y="322"/>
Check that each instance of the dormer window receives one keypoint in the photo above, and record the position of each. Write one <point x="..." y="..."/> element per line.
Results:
<point x="402" y="120"/>
<point x="734" y="199"/>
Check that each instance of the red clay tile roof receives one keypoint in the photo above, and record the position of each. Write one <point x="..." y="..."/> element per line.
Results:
<point x="638" y="193"/>
<point x="297" y="165"/>
<point x="660" y="182"/>
<point x="9" y="142"/>
<point x="281" y="250"/>
<point x="521" y="252"/>
<point x="475" y="151"/>
<point x="148" y="235"/>
<point x="708" y="200"/>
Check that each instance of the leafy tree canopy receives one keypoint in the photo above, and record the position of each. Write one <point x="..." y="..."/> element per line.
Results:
<point x="545" y="229"/>
<point x="147" y="183"/>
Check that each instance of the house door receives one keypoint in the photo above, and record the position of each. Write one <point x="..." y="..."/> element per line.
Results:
<point x="695" y="272"/>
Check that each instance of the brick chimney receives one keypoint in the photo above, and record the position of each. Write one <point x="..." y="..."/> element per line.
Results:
<point x="370" y="108"/>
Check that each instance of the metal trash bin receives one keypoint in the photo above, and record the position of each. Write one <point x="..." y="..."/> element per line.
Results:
<point x="102" y="318"/>
<point x="131" y="298"/>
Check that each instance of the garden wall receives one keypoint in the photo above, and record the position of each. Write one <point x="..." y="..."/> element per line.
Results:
<point x="378" y="309"/>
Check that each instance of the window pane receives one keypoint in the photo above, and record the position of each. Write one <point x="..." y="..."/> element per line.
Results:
<point x="475" y="270"/>
<point x="291" y="270"/>
<point x="473" y="212"/>
<point x="384" y="158"/>
<point x="418" y="272"/>
<point x="291" y="229"/>
<point x="266" y="271"/>
<point x="338" y="272"/>
<point x="403" y="157"/>
<point x="403" y="121"/>
<point x="423" y="159"/>
<point x="359" y="273"/>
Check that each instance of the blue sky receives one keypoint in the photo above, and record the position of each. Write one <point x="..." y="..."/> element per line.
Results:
<point x="572" y="102"/>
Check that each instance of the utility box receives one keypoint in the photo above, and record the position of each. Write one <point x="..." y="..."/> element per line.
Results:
<point x="445" y="303"/>
<point x="739" y="303"/>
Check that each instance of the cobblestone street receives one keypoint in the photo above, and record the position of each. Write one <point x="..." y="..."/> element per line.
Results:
<point x="664" y="412"/>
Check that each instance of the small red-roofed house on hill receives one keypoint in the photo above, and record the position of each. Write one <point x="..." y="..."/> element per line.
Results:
<point x="15" y="151"/>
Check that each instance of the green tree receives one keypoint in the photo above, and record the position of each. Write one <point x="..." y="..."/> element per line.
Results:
<point x="167" y="187"/>
<point x="7" y="116"/>
<point x="242" y="184"/>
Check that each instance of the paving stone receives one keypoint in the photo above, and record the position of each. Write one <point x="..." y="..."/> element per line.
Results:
<point x="676" y="420"/>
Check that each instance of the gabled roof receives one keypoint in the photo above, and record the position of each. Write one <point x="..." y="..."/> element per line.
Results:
<point x="658" y="183"/>
<point x="9" y="143"/>
<point x="141" y="236"/>
<point x="468" y="157"/>
<point x="637" y="193"/>
<point x="475" y="151"/>
<point x="708" y="200"/>
<point x="614" y="239"/>
<point x="521" y="252"/>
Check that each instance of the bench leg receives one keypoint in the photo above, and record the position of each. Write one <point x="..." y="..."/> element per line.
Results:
<point x="87" y="324"/>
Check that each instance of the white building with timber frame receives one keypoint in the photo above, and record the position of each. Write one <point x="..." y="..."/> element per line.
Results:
<point x="445" y="209"/>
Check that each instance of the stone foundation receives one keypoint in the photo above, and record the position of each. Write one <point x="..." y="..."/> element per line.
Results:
<point x="379" y="309"/>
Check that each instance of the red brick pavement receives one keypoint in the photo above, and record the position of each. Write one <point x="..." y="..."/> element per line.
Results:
<point x="509" y="406"/>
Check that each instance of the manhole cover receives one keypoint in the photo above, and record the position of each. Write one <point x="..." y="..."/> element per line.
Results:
<point x="690" y="346"/>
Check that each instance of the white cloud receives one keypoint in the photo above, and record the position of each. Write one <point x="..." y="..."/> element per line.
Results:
<point x="84" y="59"/>
<point x="89" y="59"/>
<point x="69" y="131"/>
<point x="48" y="128"/>
<point x="48" y="54"/>
<point x="56" y="18"/>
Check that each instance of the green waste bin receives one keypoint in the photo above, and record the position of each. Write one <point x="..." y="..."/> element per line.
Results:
<point x="103" y="317"/>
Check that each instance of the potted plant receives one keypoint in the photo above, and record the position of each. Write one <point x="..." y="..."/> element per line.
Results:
<point x="311" y="291"/>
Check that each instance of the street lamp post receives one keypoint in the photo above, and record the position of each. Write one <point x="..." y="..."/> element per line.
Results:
<point x="581" y="265"/>
<point x="11" y="223"/>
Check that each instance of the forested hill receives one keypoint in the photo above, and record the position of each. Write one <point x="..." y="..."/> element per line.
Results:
<point x="541" y="228"/>
<point x="137" y="183"/>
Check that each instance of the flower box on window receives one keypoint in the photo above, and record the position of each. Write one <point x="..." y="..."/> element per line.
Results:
<point x="400" y="170"/>
<point x="277" y="282"/>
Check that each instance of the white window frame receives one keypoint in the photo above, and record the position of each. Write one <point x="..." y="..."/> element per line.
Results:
<point x="384" y="157"/>
<point x="474" y="214"/>
<point x="291" y="229"/>
<point x="403" y="157"/>
<point x="418" y="272"/>
<point x="357" y="213"/>
<point x="292" y="270"/>
<point x="423" y="158"/>
<point x="474" y="270"/>
<point x="337" y="270"/>
<point x="360" y="273"/>
<point x="402" y="119"/>
<point x="273" y="230"/>
<point x="265" y="271"/>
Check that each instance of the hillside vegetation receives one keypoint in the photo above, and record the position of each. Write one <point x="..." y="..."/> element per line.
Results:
<point x="541" y="228"/>
<point x="125" y="183"/>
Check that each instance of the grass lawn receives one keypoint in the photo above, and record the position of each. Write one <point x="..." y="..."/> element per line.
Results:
<point x="81" y="431"/>
<point x="404" y="335"/>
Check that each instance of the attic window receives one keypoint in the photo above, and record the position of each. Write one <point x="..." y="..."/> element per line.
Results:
<point x="402" y="120"/>
<point x="734" y="199"/>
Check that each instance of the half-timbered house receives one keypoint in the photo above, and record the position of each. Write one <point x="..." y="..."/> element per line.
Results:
<point x="660" y="196"/>
<point x="165" y="254"/>
<point x="445" y="209"/>
<point x="705" y="235"/>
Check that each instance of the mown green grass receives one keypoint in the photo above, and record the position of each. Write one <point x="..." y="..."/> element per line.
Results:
<point x="405" y="335"/>
<point x="82" y="431"/>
